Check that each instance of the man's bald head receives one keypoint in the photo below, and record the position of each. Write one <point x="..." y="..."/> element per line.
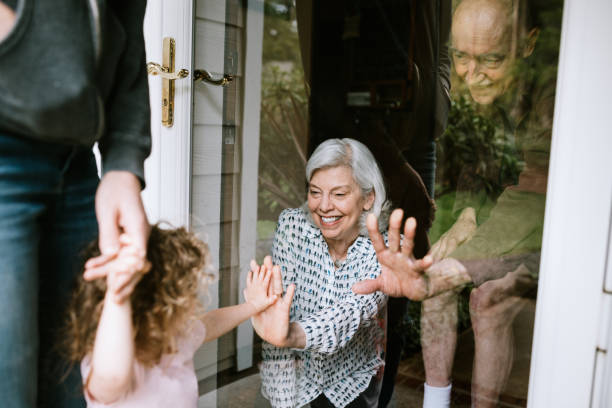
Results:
<point x="484" y="43"/>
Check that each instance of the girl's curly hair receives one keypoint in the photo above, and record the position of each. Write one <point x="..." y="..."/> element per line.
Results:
<point x="162" y="302"/>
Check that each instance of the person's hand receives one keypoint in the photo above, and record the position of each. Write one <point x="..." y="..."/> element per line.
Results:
<point x="125" y="269"/>
<point x="119" y="210"/>
<point x="402" y="274"/>
<point x="447" y="274"/>
<point x="7" y="20"/>
<point x="272" y="324"/>
<point x="256" y="292"/>
<point x="462" y="231"/>
<point x="494" y="296"/>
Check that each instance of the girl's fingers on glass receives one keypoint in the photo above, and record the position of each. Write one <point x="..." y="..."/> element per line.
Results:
<point x="266" y="278"/>
<point x="268" y="262"/>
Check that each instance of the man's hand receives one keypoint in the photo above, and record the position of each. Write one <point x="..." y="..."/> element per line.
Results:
<point x="119" y="211"/>
<point x="462" y="231"/>
<point x="402" y="274"/>
<point x="7" y="20"/>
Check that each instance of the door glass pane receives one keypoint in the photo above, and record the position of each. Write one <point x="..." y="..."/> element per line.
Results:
<point x="455" y="101"/>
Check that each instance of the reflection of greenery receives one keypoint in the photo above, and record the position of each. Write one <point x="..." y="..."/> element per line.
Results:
<point x="474" y="153"/>
<point x="476" y="158"/>
<point x="265" y="228"/>
<point x="283" y="114"/>
<point x="280" y="42"/>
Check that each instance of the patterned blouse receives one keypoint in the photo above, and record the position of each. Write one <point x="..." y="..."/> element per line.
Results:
<point x="344" y="331"/>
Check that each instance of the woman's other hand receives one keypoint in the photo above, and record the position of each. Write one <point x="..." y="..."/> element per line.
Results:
<point x="402" y="274"/>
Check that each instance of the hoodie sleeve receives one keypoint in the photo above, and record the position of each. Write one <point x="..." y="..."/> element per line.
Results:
<point x="127" y="140"/>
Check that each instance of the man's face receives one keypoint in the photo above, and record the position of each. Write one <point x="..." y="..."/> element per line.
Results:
<point x="482" y="52"/>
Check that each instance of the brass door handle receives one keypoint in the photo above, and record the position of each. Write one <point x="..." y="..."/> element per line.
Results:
<point x="166" y="71"/>
<point x="168" y="76"/>
<point x="205" y="76"/>
<point x="155" y="69"/>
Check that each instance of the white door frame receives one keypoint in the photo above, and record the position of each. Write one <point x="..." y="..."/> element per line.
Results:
<point x="168" y="169"/>
<point x="572" y="312"/>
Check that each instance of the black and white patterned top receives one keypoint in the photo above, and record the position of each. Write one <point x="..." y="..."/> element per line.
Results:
<point x="344" y="331"/>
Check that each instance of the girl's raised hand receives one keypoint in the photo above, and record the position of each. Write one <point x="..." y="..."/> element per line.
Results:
<point x="257" y="292"/>
<point x="125" y="270"/>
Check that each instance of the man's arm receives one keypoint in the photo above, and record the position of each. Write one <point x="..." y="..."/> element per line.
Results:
<point x="124" y="147"/>
<point x="127" y="140"/>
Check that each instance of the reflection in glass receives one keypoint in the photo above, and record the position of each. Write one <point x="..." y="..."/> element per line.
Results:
<point x="380" y="72"/>
<point x="493" y="164"/>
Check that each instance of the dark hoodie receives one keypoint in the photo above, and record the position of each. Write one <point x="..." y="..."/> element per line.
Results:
<point x="73" y="72"/>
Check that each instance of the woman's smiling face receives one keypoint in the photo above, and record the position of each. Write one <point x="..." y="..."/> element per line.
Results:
<point x="336" y="202"/>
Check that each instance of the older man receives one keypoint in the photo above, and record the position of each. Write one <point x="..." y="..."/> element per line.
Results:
<point x="491" y="40"/>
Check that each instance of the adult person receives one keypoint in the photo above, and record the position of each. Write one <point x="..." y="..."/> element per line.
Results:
<point x="491" y="40"/>
<point x="325" y="348"/>
<point x="71" y="73"/>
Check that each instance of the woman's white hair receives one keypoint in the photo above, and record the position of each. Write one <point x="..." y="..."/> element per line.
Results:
<point x="355" y="155"/>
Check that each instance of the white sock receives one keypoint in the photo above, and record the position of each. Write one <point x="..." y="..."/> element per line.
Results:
<point x="437" y="397"/>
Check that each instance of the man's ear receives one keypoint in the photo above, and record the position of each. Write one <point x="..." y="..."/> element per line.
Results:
<point x="530" y="42"/>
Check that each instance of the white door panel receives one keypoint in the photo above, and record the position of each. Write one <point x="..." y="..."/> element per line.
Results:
<point x="197" y="175"/>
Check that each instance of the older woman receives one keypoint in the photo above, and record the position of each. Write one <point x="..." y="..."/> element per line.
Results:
<point x="324" y="348"/>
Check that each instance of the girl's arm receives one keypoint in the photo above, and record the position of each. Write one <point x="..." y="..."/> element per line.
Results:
<point x="220" y="321"/>
<point x="112" y="358"/>
<point x="113" y="354"/>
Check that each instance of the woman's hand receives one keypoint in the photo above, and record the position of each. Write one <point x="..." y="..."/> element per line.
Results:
<point x="402" y="274"/>
<point x="272" y="324"/>
<point x="256" y="293"/>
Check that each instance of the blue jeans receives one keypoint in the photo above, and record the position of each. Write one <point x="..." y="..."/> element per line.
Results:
<point x="47" y="216"/>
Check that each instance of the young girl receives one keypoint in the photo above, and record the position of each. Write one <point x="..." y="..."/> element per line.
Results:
<point x="139" y="353"/>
